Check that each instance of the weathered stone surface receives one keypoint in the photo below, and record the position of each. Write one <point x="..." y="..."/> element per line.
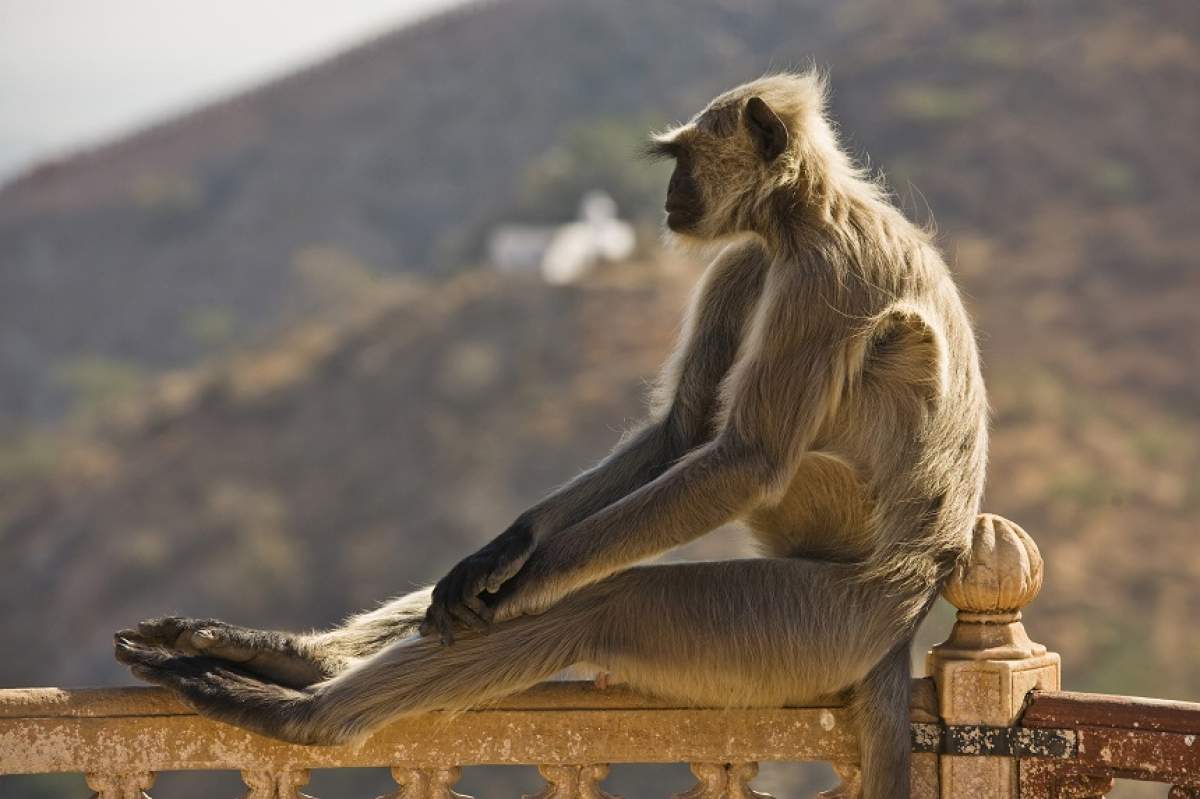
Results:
<point x="1004" y="572"/>
<point x="723" y="781"/>
<point x="988" y="664"/>
<point x="427" y="783"/>
<point x="573" y="782"/>
<point x="1071" y="709"/>
<point x="849" y="785"/>
<point x="275" y="784"/>
<point x="563" y="724"/>
<point x="119" y="784"/>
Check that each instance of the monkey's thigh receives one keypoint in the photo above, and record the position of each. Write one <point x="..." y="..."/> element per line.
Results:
<point x="823" y="515"/>
<point x="763" y="631"/>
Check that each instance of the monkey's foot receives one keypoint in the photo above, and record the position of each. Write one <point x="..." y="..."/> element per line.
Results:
<point x="272" y="655"/>
<point x="222" y="692"/>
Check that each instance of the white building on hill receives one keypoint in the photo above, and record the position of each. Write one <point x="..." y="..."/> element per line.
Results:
<point x="564" y="253"/>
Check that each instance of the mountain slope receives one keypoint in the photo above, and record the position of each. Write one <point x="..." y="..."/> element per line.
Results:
<point x="1062" y="131"/>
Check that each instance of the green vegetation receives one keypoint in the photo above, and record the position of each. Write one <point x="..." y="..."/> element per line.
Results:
<point x="992" y="49"/>
<point x="331" y="277"/>
<point x="97" y="382"/>
<point x="602" y="153"/>
<point x="163" y="191"/>
<point x="1117" y="179"/>
<point x="211" y="327"/>
<point x="929" y="103"/>
<point x="28" y="455"/>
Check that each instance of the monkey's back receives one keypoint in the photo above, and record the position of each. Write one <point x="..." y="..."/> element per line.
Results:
<point x="895" y="475"/>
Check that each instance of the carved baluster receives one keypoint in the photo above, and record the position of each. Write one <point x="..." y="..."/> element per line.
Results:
<point x="426" y="783"/>
<point x="573" y="782"/>
<point x="710" y="782"/>
<point x="728" y="780"/>
<point x="275" y="784"/>
<point x="126" y="785"/>
<point x="850" y="786"/>
<point x="740" y="775"/>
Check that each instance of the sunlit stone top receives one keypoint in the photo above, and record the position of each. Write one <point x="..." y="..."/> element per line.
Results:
<point x="1004" y="572"/>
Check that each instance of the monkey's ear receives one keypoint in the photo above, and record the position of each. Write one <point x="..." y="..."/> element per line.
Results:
<point x="767" y="130"/>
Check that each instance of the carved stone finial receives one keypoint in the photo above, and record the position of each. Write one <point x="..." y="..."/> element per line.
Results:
<point x="1002" y="575"/>
<point x="1004" y="572"/>
<point x="988" y="665"/>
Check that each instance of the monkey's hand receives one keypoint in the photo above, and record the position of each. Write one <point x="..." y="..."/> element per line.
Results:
<point x="457" y="597"/>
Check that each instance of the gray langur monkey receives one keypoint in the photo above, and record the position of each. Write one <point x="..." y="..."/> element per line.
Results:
<point x="825" y="391"/>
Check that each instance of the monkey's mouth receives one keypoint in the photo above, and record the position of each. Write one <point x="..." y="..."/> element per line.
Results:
<point x="679" y="219"/>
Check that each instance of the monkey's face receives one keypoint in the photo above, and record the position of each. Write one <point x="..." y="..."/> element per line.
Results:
<point x="723" y="159"/>
<point x="685" y="201"/>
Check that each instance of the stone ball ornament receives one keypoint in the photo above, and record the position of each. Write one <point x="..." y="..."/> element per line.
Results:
<point x="1002" y="575"/>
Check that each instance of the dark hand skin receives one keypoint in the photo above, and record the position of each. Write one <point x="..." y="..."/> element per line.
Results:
<point x="460" y="598"/>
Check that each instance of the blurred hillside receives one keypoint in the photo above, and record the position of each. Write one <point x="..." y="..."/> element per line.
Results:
<point x="1059" y="134"/>
<point x="358" y="404"/>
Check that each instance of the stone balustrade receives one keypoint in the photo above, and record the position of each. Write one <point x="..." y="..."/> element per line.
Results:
<point x="120" y="737"/>
<point x="989" y="721"/>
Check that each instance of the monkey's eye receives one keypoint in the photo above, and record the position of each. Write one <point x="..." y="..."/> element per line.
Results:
<point x="658" y="150"/>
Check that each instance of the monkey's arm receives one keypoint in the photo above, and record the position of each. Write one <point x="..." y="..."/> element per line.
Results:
<point x="686" y="402"/>
<point x="787" y="382"/>
<point x="723" y="302"/>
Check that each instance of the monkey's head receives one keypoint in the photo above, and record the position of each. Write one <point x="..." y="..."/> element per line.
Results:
<point x="739" y="162"/>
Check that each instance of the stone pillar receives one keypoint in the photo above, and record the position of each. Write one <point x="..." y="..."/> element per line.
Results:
<point x="988" y="664"/>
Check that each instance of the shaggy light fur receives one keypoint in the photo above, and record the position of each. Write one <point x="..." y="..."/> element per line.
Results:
<point x="826" y="391"/>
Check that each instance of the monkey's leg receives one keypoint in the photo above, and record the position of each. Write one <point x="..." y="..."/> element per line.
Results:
<point x="296" y="660"/>
<point x="762" y="632"/>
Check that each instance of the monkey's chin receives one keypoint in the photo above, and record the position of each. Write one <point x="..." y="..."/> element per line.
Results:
<point x="685" y="223"/>
<point x="677" y="222"/>
<point x="687" y="241"/>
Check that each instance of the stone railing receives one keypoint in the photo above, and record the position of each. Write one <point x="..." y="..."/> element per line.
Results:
<point x="990" y="721"/>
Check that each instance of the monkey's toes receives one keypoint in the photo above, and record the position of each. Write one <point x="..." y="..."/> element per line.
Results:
<point x="164" y="630"/>
<point x="190" y="636"/>
<point x="133" y="652"/>
<point x="223" y="643"/>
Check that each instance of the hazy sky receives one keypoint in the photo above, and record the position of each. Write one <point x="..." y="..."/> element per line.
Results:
<point x="76" y="72"/>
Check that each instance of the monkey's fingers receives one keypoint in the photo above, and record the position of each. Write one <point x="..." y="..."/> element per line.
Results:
<point x="466" y="617"/>
<point x="471" y="611"/>
<point x="481" y="608"/>
<point x="505" y="571"/>
<point x="438" y="622"/>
